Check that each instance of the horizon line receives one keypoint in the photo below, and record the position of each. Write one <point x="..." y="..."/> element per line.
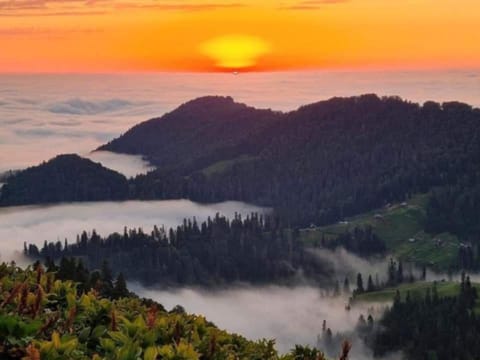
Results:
<point x="247" y="72"/>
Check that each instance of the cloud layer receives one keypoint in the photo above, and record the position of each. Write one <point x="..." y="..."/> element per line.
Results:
<point x="128" y="165"/>
<point x="290" y="315"/>
<point x="35" y="224"/>
<point x="44" y="115"/>
<point x="84" y="107"/>
<point x="100" y="7"/>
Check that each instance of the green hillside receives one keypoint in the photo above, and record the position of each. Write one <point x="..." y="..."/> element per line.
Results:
<point x="401" y="227"/>
<point x="416" y="290"/>
<point x="225" y="165"/>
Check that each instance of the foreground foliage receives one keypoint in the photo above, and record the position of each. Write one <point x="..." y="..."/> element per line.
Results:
<point x="42" y="317"/>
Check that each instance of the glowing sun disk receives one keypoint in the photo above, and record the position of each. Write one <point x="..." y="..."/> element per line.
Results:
<point x="235" y="51"/>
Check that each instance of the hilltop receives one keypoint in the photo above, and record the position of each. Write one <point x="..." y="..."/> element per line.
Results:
<point x="334" y="159"/>
<point x="65" y="178"/>
<point x="318" y="165"/>
<point x="196" y="134"/>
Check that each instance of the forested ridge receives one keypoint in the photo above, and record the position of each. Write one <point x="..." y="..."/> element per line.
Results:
<point x="215" y="252"/>
<point x="341" y="157"/>
<point x="318" y="164"/>
<point x="196" y="134"/>
<point x="66" y="178"/>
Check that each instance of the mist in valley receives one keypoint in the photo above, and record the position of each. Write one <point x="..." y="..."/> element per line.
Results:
<point x="36" y="224"/>
<point x="128" y="165"/>
<point x="290" y="315"/>
<point x="294" y="314"/>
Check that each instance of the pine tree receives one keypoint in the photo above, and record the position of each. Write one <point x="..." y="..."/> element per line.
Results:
<point x="120" y="288"/>
<point x="424" y="272"/>
<point x="360" y="288"/>
<point x="107" y="279"/>
<point x="346" y="286"/>
<point x="400" y="273"/>
<point x="392" y="272"/>
<point x="370" y="286"/>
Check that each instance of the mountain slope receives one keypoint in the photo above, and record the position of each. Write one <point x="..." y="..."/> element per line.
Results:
<point x="318" y="164"/>
<point x="196" y="134"/>
<point x="63" y="179"/>
<point x="340" y="157"/>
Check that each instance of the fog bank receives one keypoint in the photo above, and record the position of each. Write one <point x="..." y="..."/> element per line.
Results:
<point x="128" y="165"/>
<point x="44" y="115"/>
<point x="35" y="224"/>
<point x="291" y="315"/>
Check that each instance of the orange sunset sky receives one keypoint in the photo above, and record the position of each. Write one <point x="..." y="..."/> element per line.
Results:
<point x="226" y="35"/>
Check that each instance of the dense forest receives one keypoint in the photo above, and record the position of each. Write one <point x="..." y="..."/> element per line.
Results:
<point x="255" y="250"/>
<point x="432" y="327"/>
<point x="360" y="240"/>
<point x="44" y="317"/>
<point x="456" y="209"/>
<point x="196" y="134"/>
<point x="318" y="164"/>
<point x="65" y="178"/>
<point x="337" y="158"/>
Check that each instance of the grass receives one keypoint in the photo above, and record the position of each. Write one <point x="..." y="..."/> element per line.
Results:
<point x="416" y="289"/>
<point x="224" y="165"/>
<point x="396" y="225"/>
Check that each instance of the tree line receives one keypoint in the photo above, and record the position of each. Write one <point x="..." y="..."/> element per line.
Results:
<point x="254" y="249"/>
<point x="318" y="164"/>
<point x="431" y="326"/>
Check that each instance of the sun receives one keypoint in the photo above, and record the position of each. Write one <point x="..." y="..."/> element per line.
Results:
<point x="235" y="52"/>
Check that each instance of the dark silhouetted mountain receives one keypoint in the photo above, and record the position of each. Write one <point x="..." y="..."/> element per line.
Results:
<point x="63" y="179"/>
<point x="339" y="157"/>
<point x="318" y="164"/>
<point x="199" y="132"/>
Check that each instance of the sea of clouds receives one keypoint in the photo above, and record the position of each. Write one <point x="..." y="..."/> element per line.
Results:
<point x="44" y="115"/>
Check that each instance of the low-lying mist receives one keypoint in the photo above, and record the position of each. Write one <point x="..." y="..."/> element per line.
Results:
<point x="346" y="264"/>
<point x="35" y="224"/>
<point x="290" y="315"/>
<point x="128" y="165"/>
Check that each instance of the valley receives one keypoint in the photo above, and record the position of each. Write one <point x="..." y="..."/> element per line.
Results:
<point x="269" y="212"/>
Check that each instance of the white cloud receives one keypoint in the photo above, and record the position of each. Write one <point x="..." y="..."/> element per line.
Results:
<point x="35" y="224"/>
<point x="128" y="165"/>
<point x="290" y="315"/>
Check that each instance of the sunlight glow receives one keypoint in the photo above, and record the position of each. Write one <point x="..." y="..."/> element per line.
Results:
<point x="235" y="51"/>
